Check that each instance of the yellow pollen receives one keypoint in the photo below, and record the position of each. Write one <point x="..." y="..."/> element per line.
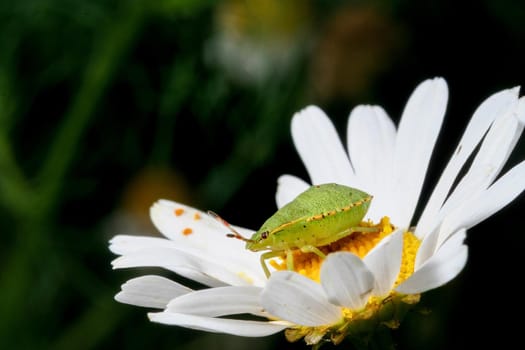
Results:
<point x="410" y="247"/>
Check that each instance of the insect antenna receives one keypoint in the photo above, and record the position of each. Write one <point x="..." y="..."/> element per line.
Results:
<point x="234" y="233"/>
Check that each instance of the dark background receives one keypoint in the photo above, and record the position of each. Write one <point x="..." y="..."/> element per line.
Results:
<point x="106" y="106"/>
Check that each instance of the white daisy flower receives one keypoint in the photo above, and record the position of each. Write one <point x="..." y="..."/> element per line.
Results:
<point x="366" y="278"/>
<point x="373" y="279"/>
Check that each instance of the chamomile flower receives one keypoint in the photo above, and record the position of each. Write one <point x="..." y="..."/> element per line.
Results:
<point x="366" y="279"/>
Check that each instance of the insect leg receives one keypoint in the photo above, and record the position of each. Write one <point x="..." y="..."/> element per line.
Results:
<point x="313" y="249"/>
<point x="364" y="229"/>
<point x="289" y="260"/>
<point x="266" y="256"/>
<point x="351" y="230"/>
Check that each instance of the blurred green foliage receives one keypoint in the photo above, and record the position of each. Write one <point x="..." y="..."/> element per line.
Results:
<point x="94" y="93"/>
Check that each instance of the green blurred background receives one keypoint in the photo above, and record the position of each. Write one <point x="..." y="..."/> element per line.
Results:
<point x="106" y="106"/>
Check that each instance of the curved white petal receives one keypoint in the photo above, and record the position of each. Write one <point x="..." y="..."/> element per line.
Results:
<point x="198" y="268"/>
<point x="150" y="291"/>
<point x="289" y="187"/>
<point x="371" y="136"/>
<point x="494" y="106"/>
<point x="207" y="238"/>
<point x="346" y="280"/>
<point x="486" y="203"/>
<point x="489" y="160"/>
<point x="207" y="234"/>
<point x="320" y="148"/>
<point x="427" y="248"/>
<point x="172" y="218"/>
<point x="417" y="133"/>
<point x="521" y="110"/>
<point x="141" y="248"/>
<point x="126" y="244"/>
<point x="220" y="301"/>
<point x="384" y="261"/>
<point x="295" y="298"/>
<point x="442" y="267"/>
<point x="218" y="325"/>
<point x="520" y="116"/>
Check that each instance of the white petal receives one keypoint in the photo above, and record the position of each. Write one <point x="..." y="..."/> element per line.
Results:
<point x="172" y="218"/>
<point x="417" y="133"/>
<point x="218" y="325"/>
<point x="289" y="187"/>
<point x="442" y="267"/>
<point x="125" y="244"/>
<point x="150" y="291"/>
<point x="384" y="261"/>
<point x="208" y="238"/>
<point x="485" y="114"/>
<point x="427" y="248"/>
<point x="295" y="298"/>
<point x="134" y="247"/>
<point x="519" y="114"/>
<point x="198" y="268"/>
<point x="486" y="203"/>
<point x="320" y="148"/>
<point x="494" y="152"/>
<point x="220" y="301"/>
<point x="346" y="280"/>
<point x="521" y="110"/>
<point x="371" y="138"/>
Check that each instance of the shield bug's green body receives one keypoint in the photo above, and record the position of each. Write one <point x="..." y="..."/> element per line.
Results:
<point x="320" y="215"/>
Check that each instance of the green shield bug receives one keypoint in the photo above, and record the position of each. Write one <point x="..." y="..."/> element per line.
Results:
<point x="318" y="216"/>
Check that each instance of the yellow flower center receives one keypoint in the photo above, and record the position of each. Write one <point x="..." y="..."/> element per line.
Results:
<point x="309" y="264"/>
<point x="410" y="246"/>
<point x="384" y="310"/>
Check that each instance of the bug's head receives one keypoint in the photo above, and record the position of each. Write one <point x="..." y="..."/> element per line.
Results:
<point x="258" y="241"/>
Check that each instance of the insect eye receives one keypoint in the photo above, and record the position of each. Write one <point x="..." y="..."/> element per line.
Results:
<point x="264" y="235"/>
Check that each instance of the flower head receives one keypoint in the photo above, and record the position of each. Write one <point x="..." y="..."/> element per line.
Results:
<point x="371" y="276"/>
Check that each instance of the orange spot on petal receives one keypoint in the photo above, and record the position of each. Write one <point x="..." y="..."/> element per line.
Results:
<point x="179" y="211"/>
<point x="197" y="216"/>
<point x="187" y="231"/>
